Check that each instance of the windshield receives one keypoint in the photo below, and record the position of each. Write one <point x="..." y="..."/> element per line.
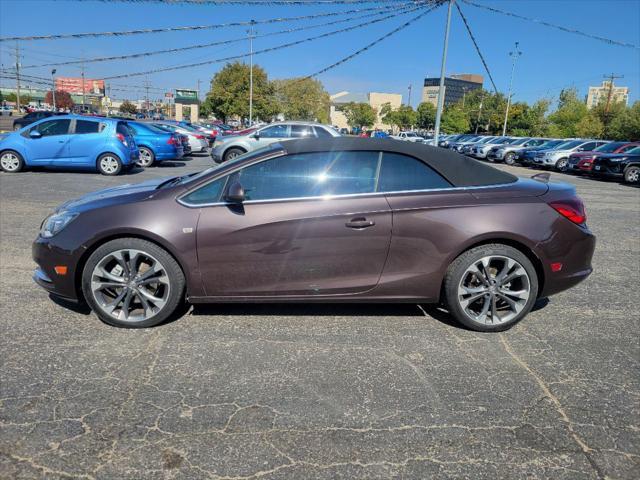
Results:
<point x="569" y="145"/>
<point x="609" y="147"/>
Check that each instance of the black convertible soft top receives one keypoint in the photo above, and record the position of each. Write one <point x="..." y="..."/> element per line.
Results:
<point x="459" y="170"/>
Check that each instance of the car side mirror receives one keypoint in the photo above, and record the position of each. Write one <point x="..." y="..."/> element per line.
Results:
<point x="35" y="134"/>
<point x="256" y="135"/>
<point x="235" y="193"/>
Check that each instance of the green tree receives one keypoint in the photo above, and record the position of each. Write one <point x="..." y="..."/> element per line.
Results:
<point x="24" y="98"/>
<point x="229" y="93"/>
<point x="302" y="99"/>
<point x="626" y="126"/>
<point x="128" y="107"/>
<point x="402" y="117"/>
<point x="359" y="115"/>
<point x="590" y="126"/>
<point x="454" y="120"/>
<point x="426" y="115"/>
<point x="571" y="110"/>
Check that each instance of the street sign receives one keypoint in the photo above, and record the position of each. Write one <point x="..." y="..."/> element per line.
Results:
<point x="186" y="97"/>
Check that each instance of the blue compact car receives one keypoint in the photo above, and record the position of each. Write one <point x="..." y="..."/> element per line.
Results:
<point x="155" y="144"/>
<point x="71" y="141"/>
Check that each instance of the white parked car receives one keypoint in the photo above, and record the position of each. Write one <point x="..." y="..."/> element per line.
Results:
<point x="197" y="140"/>
<point x="408" y="137"/>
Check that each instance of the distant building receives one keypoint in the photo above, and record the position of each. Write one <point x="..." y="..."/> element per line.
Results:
<point x="601" y="93"/>
<point x="455" y="87"/>
<point x="375" y="99"/>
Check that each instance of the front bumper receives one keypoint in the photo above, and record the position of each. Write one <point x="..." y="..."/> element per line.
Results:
<point x="47" y="256"/>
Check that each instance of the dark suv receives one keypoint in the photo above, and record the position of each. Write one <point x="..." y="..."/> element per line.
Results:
<point x="31" y="117"/>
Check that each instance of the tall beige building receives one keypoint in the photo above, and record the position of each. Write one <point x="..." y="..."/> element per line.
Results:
<point x="601" y="93"/>
<point x="375" y="99"/>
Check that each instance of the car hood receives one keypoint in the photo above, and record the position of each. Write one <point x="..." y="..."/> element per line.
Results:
<point x="113" y="196"/>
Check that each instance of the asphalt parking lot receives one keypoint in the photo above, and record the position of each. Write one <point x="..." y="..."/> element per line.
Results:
<point x="312" y="391"/>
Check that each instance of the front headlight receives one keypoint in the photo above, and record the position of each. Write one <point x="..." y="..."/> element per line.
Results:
<point x="55" y="223"/>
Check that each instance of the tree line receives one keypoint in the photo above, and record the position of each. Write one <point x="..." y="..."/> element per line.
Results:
<point x="483" y="112"/>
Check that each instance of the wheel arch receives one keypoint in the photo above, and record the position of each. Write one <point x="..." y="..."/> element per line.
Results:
<point x="239" y="147"/>
<point x="139" y="234"/>
<point x="510" y="241"/>
<point x="15" y="150"/>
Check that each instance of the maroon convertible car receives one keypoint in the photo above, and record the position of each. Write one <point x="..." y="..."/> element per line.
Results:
<point x="315" y="220"/>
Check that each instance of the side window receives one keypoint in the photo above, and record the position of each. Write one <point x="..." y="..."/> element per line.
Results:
<point x="53" y="127"/>
<point x="210" y="193"/>
<point x="401" y="173"/>
<point x="275" y="131"/>
<point x="85" y="126"/>
<point x="627" y="148"/>
<point x="587" y="147"/>
<point x="301" y="131"/>
<point x="322" y="133"/>
<point x="310" y="175"/>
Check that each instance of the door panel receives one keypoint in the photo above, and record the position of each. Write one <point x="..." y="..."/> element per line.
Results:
<point x="301" y="247"/>
<point x="85" y="141"/>
<point x="52" y="146"/>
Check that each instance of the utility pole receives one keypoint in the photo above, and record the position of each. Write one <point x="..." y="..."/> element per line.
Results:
<point x="464" y="94"/>
<point x="479" y="112"/>
<point x="436" y="134"/>
<point x="251" y="34"/>
<point x="83" y="85"/>
<point x="514" y="55"/>
<point x="18" y="77"/>
<point x="146" y="98"/>
<point x="53" y="90"/>
<point x="611" y="78"/>
<point x="410" y="87"/>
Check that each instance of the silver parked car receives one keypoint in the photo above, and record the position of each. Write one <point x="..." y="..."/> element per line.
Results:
<point x="508" y="152"/>
<point x="227" y="148"/>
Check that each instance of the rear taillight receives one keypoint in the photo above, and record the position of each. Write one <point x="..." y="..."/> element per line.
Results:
<point x="120" y="137"/>
<point x="172" y="141"/>
<point x="199" y="137"/>
<point x="572" y="209"/>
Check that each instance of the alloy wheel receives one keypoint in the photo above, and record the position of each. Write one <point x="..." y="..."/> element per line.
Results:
<point x="493" y="290"/>
<point x="562" y="165"/>
<point x="109" y="164"/>
<point x="130" y="285"/>
<point x="146" y="158"/>
<point x="10" y="162"/>
<point x="632" y="175"/>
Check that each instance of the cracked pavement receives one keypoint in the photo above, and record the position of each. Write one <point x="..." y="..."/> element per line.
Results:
<point x="319" y="391"/>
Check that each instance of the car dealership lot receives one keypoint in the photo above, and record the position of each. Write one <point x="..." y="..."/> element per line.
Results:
<point x="319" y="391"/>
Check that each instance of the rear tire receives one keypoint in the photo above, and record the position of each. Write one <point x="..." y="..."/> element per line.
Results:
<point x="132" y="283"/>
<point x="490" y="288"/>
<point x="147" y="157"/>
<point x="233" y="153"/>
<point x="11" y="161"/>
<point x="109" y="164"/>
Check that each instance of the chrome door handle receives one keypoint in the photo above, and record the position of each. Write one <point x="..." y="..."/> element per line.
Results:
<point x="359" y="223"/>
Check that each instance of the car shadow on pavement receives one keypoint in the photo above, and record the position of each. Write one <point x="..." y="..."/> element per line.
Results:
<point x="170" y="164"/>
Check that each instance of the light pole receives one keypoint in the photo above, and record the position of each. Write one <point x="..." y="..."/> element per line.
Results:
<point x="251" y="73"/>
<point x="53" y="90"/>
<point x="436" y="134"/>
<point x="514" y="55"/>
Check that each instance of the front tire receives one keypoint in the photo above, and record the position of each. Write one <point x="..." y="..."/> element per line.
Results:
<point x="11" y="162"/>
<point x="562" y="165"/>
<point x="132" y="283"/>
<point x="490" y="288"/>
<point x="233" y="153"/>
<point x="632" y="174"/>
<point x="147" y="157"/>
<point x="509" y="158"/>
<point x="109" y="164"/>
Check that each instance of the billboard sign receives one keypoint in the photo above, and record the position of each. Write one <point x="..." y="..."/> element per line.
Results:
<point x="73" y="85"/>
<point x="186" y="97"/>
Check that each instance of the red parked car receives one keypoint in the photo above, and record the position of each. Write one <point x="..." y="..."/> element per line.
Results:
<point x="583" y="161"/>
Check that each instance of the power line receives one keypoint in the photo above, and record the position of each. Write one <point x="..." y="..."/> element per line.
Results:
<point x="372" y="44"/>
<point x="475" y="44"/>
<point x="211" y="44"/>
<point x="552" y="25"/>
<point x="248" y="2"/>
<point x="265" y="50"/>
<point x="192" y="27"/>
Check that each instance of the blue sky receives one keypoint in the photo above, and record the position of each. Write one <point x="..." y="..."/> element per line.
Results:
<point x="551" y="59"/>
